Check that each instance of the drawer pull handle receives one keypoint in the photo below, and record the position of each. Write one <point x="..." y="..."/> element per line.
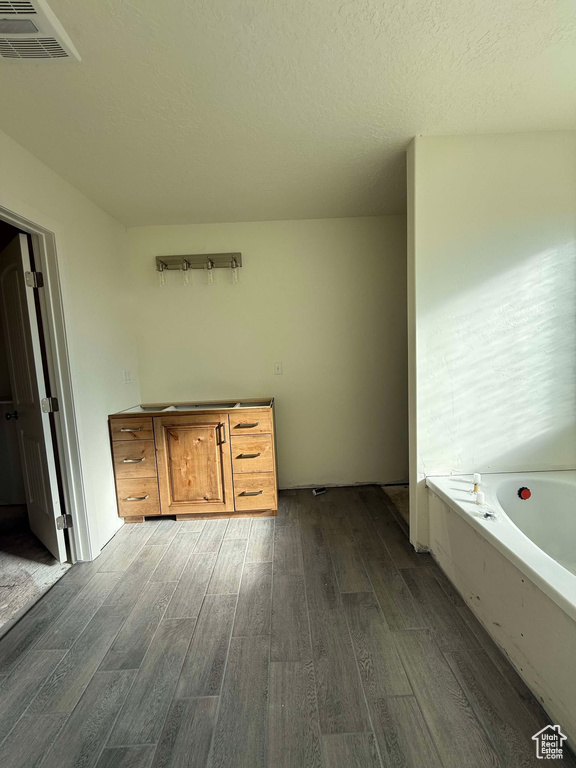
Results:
<point x="137" y="498"/>
<point x="247" y="424"/>
<point x="249" y="455"/>
<point x="133" y="461"/>
<point x="251" y="493"/>
<point x="131" y="429"/>
<point x="222" y="433"/>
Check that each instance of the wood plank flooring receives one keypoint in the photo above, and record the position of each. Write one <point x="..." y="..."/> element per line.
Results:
<point x="317" y="639"/>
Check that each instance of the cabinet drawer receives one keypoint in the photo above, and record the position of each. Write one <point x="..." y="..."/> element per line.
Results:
<point x="138" y="497"/>
<point x="252" y="453"/>
<point x="134" y="459"/>
<point x="132" y="429"/>
<point x="245" y="421"/>
<point x="255" y="491"/>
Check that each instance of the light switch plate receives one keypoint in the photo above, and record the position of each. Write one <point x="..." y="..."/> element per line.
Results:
<point x="278" y="369"/>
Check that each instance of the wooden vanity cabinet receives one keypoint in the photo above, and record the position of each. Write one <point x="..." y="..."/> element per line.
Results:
<point x="195" y="463"/>
<point x="194" y="467"/>
<point x="134" y="461"/>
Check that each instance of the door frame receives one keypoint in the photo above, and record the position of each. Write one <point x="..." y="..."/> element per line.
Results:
<point x="67" y="446"/>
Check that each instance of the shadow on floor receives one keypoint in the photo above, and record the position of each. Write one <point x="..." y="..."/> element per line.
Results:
<point x="27" y="569"/>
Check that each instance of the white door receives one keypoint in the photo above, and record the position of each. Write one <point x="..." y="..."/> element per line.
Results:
<point x="28" y="389"/>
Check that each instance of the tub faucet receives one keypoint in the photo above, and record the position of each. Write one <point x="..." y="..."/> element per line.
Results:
<point x="481" y="498"/>
<point x="476" y="483"/>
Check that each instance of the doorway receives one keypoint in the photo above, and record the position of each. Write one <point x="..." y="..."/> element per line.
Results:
<point x="35" y="549"/>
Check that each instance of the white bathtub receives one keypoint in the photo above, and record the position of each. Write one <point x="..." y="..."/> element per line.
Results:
<point x="517" y="572"/>
<point x="537" y="535"/>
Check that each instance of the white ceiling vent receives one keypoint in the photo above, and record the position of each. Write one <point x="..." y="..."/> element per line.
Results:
<point x="17" y="6"/>
<point x="30" y="30"/>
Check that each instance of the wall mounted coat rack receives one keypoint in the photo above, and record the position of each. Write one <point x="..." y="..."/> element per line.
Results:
<point x="199" y="261"/>
<point x="206" y="261"/>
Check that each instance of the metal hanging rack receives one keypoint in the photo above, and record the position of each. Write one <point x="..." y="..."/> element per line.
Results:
<point x="199" y="261"/>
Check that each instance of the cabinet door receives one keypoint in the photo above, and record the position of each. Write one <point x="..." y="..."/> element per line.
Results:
<point x="194" y="463"/>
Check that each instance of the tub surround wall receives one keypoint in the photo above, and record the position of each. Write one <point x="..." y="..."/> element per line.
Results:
<point x="537" y="636"/>
<point x="324" y="297"/>
<point x="492" y="291"/>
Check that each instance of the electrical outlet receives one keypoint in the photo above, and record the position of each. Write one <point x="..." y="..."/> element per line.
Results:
<point x="278" y="369"/>
<point x="127" y="376"/>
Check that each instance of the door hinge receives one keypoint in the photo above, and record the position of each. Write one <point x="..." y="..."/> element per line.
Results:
<point x="63" y="521"/>
<point x="34" y="279"/>
<point x="50" y="405"/>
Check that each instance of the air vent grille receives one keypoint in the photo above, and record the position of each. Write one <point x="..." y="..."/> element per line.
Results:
<point x="32" y="48"/>
<point x="16" y="6"/>
<point x="30" y="30"/>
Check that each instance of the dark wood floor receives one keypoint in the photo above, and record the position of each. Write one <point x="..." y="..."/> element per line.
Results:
<point x="318" y="639"/>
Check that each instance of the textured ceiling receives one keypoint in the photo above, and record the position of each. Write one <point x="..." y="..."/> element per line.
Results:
<point x="235" y="110"/>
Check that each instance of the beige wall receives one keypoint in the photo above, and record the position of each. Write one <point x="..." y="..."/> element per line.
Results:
<point x="324" y="297"/>
<point x="92" y="261"/>
<point x="494" y="284"/>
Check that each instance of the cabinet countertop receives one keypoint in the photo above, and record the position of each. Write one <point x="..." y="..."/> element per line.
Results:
<point x="195" y="406"/>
